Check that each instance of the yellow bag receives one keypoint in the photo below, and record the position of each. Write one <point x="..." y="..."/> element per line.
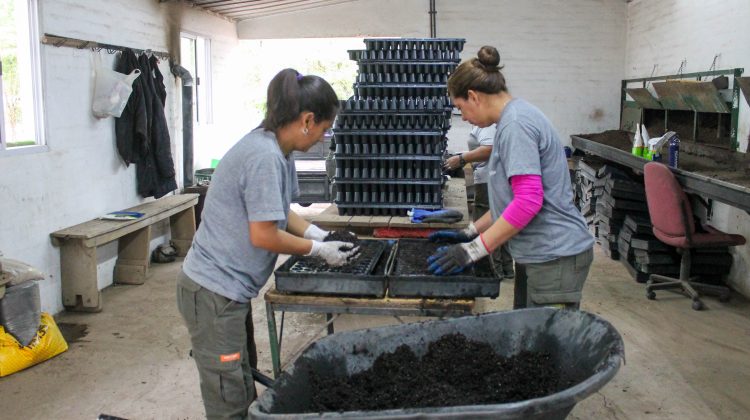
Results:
<point x="47" y="344"/>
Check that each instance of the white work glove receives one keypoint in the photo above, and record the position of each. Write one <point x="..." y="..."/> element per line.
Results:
<point x="315" y="233"/>
<point x="336" y="253"/>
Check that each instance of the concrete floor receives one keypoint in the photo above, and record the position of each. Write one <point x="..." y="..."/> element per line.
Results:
<point x="131" y="360"/>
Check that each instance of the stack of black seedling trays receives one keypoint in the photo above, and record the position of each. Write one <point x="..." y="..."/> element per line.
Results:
<point x="390" y="136"/>
<point x="621" y="195"/>
<point x="588" y="188"/>
<point x="647" y="255"/>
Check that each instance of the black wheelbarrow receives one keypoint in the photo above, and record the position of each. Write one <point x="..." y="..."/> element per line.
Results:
<point x="587" y="349"/>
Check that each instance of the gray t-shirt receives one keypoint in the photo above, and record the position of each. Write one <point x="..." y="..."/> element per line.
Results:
<point x="481" y="137"/>
<point x="253" y="183"/>
<point x="527" y="144"/>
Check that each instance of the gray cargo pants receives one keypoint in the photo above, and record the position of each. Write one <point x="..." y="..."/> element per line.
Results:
<point x="221" y="333"/>
<point x="552" y="283"/>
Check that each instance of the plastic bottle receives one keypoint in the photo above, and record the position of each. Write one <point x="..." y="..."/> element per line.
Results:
<point x="637" y="142"/>
<point x="647" y="151"/>
<point x="674" y="151"/>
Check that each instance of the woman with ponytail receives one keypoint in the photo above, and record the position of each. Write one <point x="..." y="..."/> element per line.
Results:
<point x="246" y="222"/>
<point x="530" y="195"/>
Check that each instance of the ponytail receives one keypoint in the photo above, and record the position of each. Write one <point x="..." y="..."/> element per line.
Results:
<point x="291" y="93"/>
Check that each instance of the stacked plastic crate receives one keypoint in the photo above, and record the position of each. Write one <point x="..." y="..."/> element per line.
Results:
<point x="390" y="136"/>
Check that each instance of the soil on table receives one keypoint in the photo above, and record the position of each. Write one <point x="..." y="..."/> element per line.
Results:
<point x="454" y="371"/>
<point x="412" y="256"/>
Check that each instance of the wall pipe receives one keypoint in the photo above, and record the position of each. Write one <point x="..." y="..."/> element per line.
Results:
<point x="433" y="19"/>
<point x="187" y="123"/>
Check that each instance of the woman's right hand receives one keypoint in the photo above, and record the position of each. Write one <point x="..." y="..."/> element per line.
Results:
<point x="452" y="162"/>
<point x="336" y="253"/>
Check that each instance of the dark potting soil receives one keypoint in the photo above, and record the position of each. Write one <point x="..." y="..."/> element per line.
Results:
<point x="454" y="371"/>
<point x="343" y="236"/>
<point x="412" y="256"/>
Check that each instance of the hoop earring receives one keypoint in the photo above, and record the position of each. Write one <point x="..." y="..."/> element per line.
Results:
<point x="305" y="131"/>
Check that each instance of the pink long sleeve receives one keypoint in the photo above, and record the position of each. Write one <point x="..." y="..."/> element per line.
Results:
<point x="528" y="196"/>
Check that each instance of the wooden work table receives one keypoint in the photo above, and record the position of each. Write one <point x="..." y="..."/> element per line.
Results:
<point x="454" y="197"/>
<point x="335" y="305"/>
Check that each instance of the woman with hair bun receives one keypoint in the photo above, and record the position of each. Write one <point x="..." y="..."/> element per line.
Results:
<point x="530" y="195"/>
<point x="246" y="222"/>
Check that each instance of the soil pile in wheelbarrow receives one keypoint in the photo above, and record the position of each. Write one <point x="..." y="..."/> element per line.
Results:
<point x="454" y="371"/>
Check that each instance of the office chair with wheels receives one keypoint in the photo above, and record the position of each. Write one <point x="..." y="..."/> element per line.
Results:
<point x="672" y="220"/>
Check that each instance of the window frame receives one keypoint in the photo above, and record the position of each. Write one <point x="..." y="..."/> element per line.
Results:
<point x="35" y="58"/>
<point x="202" y="80"/>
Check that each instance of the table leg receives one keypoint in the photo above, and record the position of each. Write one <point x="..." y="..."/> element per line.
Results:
<point x="273" y="340"/>
<point x="182" y="227"/>
<point x="329" y="317"/>
<point x="133" y="257"/>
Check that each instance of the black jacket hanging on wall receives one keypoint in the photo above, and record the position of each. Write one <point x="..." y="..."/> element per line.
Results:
<point x="155" y="172"/>
<point x="131" y="129"/>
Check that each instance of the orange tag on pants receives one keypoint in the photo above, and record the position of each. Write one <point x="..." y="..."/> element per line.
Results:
<point x="229" y="357"/>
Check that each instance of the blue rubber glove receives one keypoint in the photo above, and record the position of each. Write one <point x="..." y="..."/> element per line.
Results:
<point x="454" y="236"/>
<point x="436" y="216"/>
<point x="449" y="260"/>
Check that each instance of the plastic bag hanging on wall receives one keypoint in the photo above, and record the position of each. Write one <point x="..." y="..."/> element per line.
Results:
<point x="111" y="89"/>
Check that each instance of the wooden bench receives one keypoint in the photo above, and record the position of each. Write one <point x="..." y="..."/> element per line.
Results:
<point x="78" y="248"/>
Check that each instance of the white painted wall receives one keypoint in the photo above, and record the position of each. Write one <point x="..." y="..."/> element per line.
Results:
<point x="566" y="57"/>
<point x="361" y="18"/>
<point x="82" y="176"/>
<point x="665" y="32"/>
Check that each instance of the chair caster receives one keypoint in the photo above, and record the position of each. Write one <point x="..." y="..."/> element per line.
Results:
<point x="697" y="305"/>
<point x="650" y="295"/>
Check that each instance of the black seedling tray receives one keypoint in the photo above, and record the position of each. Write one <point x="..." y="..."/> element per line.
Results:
<point x="371" y="168"/>
<point x="373" y="120"/>
<point x="380" y="209"/>
<point x="409" y="78"/>
<point x="366" y="276"/>
<point x="395" y="104"/>
<point x="384" y="195"/>
<point x="478" y="280"/>
<point x="453" y="44"/>
<point x="405" y="56"/>
<point x="400" y="89"/>
<point x="399" y="66"/>
<point x="376" y="146"/>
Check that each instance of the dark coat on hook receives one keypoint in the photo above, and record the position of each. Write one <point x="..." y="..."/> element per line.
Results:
<point x="155" y="173"/>
<point x="131" y="129"/>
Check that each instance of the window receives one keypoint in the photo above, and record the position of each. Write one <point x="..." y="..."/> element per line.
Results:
<point x="21" y="124"/>
<point x="196" y="58"/>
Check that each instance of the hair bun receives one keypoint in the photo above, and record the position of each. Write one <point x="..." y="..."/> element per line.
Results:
<point x="489" y="58"/>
